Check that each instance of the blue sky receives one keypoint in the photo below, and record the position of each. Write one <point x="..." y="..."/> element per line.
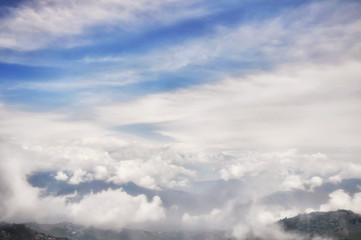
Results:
<point x="165" y="93"/>
<point x="103" y="48"/>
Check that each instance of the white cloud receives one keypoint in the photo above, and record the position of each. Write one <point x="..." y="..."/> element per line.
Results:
<point x="61" y="176"/>
<point x="38" y="24"/>
<point x="86" y="151"/>
<point x="79" y="176"/>
<point x="150" y="173"/>
<point x="259" y="223"/>
<point x="214" y="216"/>
<point x="295" y="106"/>
<point x="101" y="172"/>
<point x="314" y="107"/>
<point x="341" y="200"/>
<point x="233" y="171"/>
<point x="113" y="209"/>
<point x="293" y="182"/>
<point x="110" y="209"/>
<point x="315" y="181"/>
<point x="281" y="39"/>
<point x="335" y="179"/>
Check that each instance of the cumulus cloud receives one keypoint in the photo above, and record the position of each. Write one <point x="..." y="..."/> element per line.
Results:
<point x="341" y="200"/>
<point x="335" y="179"/>
<point x="293" y="182"/>
<point x="147" y="166"/>
<point x="79" y="153"/>
<point x="315" y="181"/>
<point x="113" y="209"/>
<point x="101" y="172"/>
<point x="110" y="209"/>
<point x="79" y="176"/>
<point x="150" y="173"/>
<point x="82" y="151"/>
<point x="233" y="171"/>
<point x="61" y="176"/>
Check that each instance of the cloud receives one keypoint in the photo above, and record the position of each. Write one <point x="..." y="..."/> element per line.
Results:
<point x="109" y="209"/>
<point x="293" y="182"/>
<point x="233" y="171"/>
<point x="244" y="128"/>
<point x="259" y="223"/>
<point x="315" y="181"/>
<point x="150" y="173"/>
<point x="221" y="217"/>
<point x="147" y="166"/>
<point x="273" y="41"/>
<point x="274" y="113"/>
<point x="117" y="79"/>
<point x="335" y="179"/>
<point x="82" y="151"/>
<point x="279" y="171"/>
<point x="341" y="200"/>
<point x="209" y="218"/>
<point x="295" y="106"/>
<point x="44" y="23"/>
<point x="79" y="176"/>
<point x="61" y="176"/>
<point x="113" y="209"/>
<point x="323" y="38"/>
<point x="100" y="172"/>
<point x="293" y="126"/>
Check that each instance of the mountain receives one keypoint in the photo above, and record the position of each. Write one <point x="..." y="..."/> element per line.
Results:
<point x="341" y="224"/>
<point x="21" y="232"/>
<point x="77" y="232"/>
<point x="201" y="197"/>
<point x="303" y="199"/>
<point x="197" y="198"/>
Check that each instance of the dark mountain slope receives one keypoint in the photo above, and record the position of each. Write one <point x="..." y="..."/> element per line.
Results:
<point x="21" y="232"/>
<point x="77" y="232"/>
<point x="341" y="224"/>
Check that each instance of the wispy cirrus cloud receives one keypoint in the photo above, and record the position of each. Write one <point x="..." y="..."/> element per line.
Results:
<point x="41" y="24"/>
<point x="264" y="44"/>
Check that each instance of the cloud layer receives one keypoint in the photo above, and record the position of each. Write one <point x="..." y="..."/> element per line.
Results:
<point x="46" y="23"/>
<point x="170" y="94"/>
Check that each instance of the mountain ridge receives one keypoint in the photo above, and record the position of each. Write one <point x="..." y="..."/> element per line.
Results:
<point x="341" y="224"/>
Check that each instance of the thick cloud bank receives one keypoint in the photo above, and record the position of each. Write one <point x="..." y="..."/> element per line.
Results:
<point x="302" y="103"/>
<point x="109" y="209"/>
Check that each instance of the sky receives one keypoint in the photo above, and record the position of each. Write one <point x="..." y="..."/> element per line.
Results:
<point x="167" y="93"/>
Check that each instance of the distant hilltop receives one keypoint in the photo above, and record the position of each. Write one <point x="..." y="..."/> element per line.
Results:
<point x="21" y="232"/>
<point x="341" y="224"/>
